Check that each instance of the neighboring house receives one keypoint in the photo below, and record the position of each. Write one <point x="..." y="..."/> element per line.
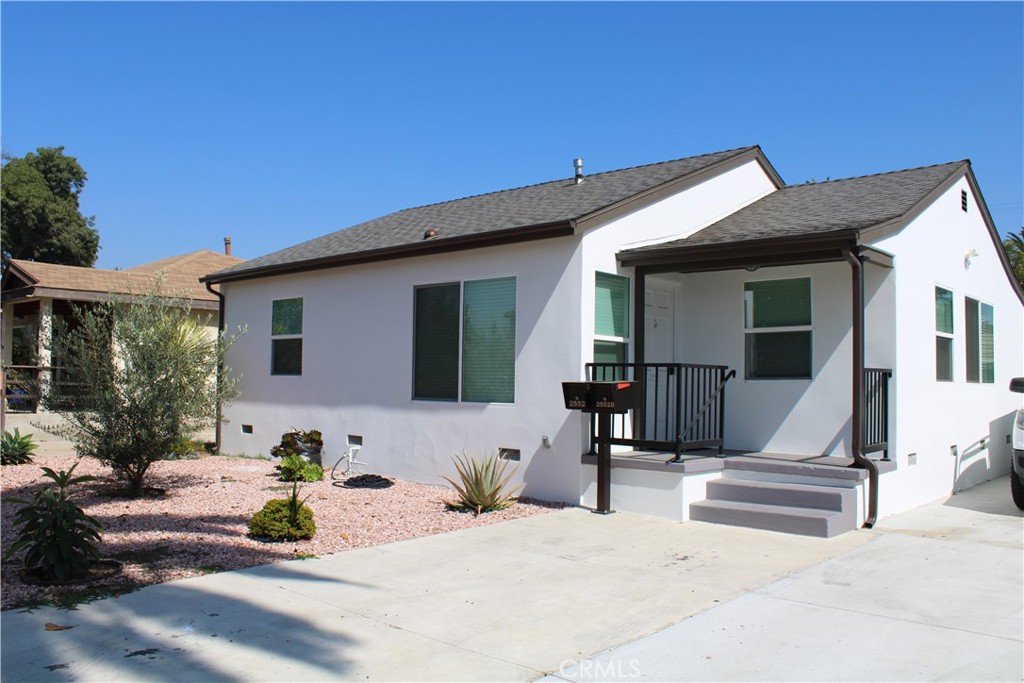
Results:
<point x="870" y="321"/>
<point x="40" y="299"/>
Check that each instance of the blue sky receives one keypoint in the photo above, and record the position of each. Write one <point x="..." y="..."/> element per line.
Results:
<point x="274" y="123"/>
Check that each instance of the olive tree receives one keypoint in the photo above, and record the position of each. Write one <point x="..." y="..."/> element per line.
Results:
<point x="143" y="375"/>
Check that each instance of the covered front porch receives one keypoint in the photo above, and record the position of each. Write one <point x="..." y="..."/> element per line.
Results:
<point x="768" y="361"/>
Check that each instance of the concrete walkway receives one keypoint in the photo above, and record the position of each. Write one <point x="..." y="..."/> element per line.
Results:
<point x="936" y="594"/>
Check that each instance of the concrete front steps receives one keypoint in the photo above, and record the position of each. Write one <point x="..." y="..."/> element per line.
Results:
<point x="785" y="496"/>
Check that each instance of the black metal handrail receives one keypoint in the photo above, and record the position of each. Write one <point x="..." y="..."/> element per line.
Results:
<point x="674" y="394"/>
<point x="699" y="419"/>
<point x="876" y="410"/>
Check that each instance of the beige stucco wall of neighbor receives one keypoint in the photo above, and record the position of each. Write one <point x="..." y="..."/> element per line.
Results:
<point x="935" y="416"/>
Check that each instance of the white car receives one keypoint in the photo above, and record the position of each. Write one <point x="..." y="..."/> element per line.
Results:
<point x="1017" y="473"/>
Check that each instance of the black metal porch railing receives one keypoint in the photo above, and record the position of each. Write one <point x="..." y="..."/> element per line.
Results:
<point x="876" y="410"/>
<point x="683" y="405"/>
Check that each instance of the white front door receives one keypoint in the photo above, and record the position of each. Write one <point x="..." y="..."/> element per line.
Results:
<point x="659" y="347"/>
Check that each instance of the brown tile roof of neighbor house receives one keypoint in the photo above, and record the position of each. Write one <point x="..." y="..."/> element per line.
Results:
<point x="181" y="277"/>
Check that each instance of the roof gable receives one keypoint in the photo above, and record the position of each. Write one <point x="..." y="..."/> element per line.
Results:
<point x="848" y="205"/>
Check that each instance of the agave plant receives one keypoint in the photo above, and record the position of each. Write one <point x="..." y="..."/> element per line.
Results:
<point x="16" y="449"/>
<point x="483" y="484"/>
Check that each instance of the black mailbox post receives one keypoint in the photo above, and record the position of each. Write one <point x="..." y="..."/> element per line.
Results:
<point x="603" y="399"/>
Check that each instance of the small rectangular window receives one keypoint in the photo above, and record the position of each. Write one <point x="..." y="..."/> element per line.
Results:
<point x="943" y="335"/>
<point x="287" y="357"/>
<point x="286" y="342"/>
<point x="777" y="329"/>
<point x="963" y="200"/>
<point x="980" y="341"/>
<point x="287" y="317"/>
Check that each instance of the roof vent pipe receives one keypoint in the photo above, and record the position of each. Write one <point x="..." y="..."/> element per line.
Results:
<point x="227" y="246"/>
<point x="577" y="164"/>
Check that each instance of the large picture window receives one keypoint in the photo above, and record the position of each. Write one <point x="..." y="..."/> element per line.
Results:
<point x="611" y="319"/>
<point x="980" y="342"/>
<point x="286" y="337"/>
<point x="464" y="341"/>
<point x="777" y="329"/>
<point x="943" y="335"/>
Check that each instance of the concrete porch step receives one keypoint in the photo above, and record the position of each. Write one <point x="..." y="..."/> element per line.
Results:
<point x="785" y="519"/>
<point x="830" y="498"/>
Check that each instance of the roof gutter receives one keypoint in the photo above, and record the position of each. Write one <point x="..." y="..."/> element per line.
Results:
<point x="220" y="363"/>
<point x="857" y="418"/>
<point x="434" y="246"/>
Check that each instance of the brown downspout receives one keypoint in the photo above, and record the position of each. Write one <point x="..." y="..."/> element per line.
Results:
<point x="220" y="365"/>
<point x="857" y="420"/>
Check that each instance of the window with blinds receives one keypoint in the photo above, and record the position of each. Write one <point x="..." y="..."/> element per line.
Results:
<point x="286" y="337"/>
<point x="980" y="341"/>
<point x="611" y="318"/>
<point x="943" y="335"/>
<point x="468" y="327"/>
<point x="777" y="329"/>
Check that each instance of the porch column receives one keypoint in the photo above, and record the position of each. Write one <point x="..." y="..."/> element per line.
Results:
<point x="44" y="346"/>
<point x="639" y="285"/>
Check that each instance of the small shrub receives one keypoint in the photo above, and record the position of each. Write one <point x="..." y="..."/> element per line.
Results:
<point x="307" y="445"/>
<point x="483" y="484"/>
<point x="16" y="449"/>
<point x="284" y="519"/>
<point x="61" y="539"/>
<point x="294" y="468"/>
<point x="185" y="449"/>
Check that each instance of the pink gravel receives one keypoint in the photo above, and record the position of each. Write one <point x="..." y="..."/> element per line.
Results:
<point x="199" y="525"/>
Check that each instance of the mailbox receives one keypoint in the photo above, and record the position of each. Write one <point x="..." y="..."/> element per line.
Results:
<point x="600" y="397"/>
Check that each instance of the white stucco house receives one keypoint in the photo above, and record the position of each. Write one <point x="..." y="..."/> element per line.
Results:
<point x="812" y="357"/>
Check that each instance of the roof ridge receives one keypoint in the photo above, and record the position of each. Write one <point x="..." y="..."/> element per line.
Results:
<point x="876" y="175"/>
<point x="731" y="152"/>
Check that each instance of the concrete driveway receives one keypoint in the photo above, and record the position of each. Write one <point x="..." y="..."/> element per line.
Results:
<point x="934" y="594"/>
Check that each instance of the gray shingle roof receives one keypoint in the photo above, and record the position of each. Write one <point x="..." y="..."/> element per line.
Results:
<point x="552" y="202"/>
<point x="820" y="208"/>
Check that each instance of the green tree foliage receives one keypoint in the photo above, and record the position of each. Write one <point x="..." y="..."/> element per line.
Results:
<point x="1014" y="246"/>
<point x="144" y="374"/>
<point x="40" y="216"/>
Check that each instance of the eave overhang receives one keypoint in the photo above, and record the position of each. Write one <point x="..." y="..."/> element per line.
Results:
<point x="427" y="247"/>
<point x="749" y="254"/>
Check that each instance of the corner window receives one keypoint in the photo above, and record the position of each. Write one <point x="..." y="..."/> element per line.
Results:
<point x="943" y="335"/>
<point x="611" y="319"/>
<point x="286" y="337"/>
<point x="464" y="341"/>
<point x="777" y="329"/>
<point x="980" y="341"/>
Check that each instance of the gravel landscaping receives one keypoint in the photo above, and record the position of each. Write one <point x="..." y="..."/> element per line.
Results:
<point x="198" y="525"/>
